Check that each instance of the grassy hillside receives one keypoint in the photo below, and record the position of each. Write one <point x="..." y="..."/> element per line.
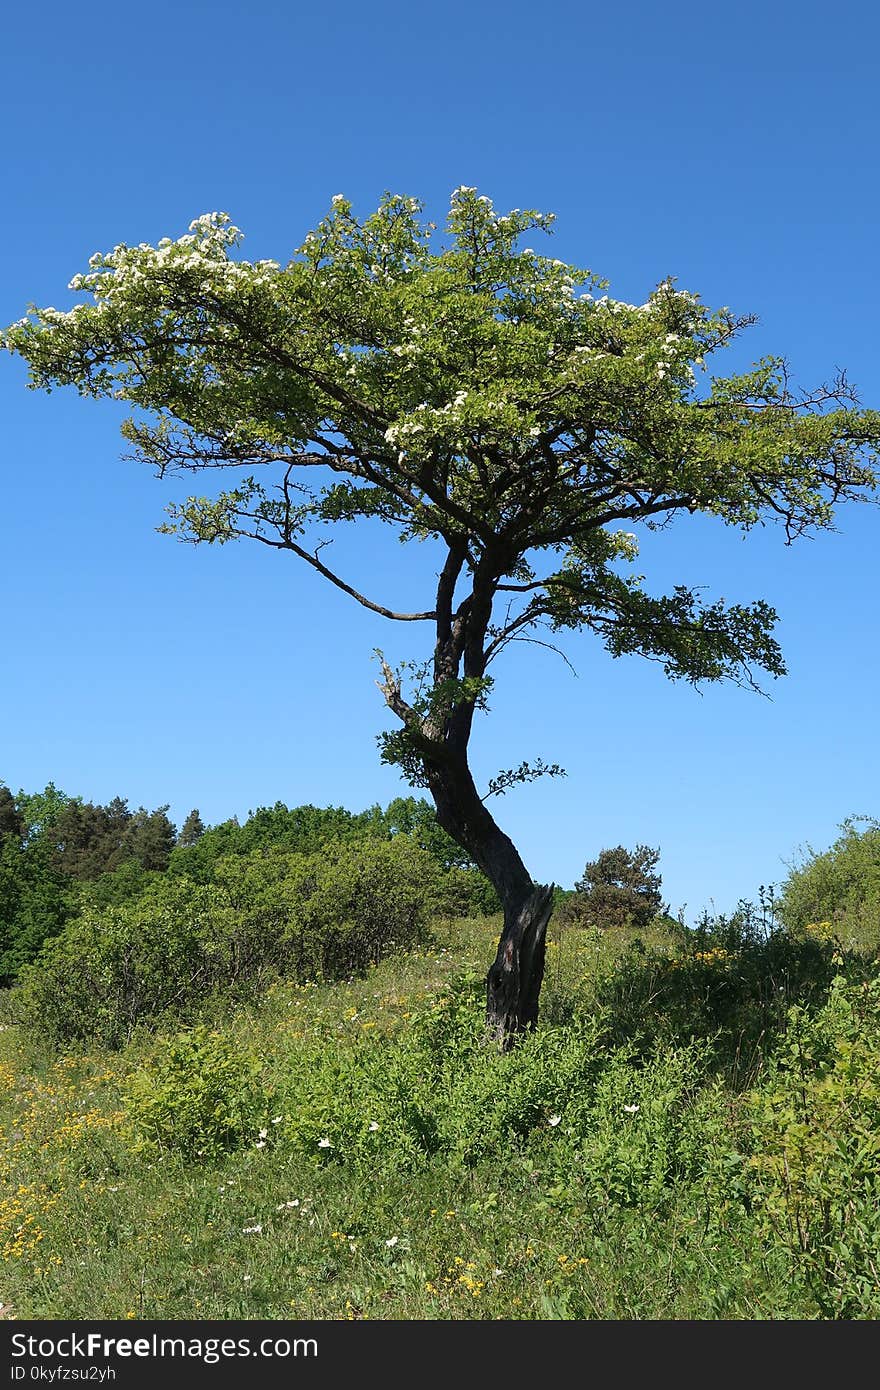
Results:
<point x="694" y="1132"/>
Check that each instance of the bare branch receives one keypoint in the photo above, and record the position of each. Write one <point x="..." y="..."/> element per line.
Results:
<point x="536" y="642"/>
<point x="313" y="560"/>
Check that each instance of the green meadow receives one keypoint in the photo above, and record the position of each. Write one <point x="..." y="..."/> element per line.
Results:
<point x="693" y="1131"/>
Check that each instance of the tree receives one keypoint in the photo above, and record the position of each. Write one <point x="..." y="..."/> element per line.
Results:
<point x="483" y="398"/>
<point x="87" y="839"/>
<point x="149" y="838"/>
<point x="193" y="829"/>
<point x="11" y="819"/>
<point x="35" y="901"/>
<point x="620" y="887"/>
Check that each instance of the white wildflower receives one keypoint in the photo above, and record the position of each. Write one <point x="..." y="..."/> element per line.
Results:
<point x="554" y="1121"/>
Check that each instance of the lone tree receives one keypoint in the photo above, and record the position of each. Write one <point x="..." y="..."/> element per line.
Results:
<point x="621" y="887"/>
<point x="486" y="397"/>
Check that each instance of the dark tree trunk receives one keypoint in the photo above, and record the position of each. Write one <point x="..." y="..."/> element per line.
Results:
<point x="513" y="983"/>
<point x="514" y="980"/>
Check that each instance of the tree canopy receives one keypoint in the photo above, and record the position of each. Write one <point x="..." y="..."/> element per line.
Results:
<point x="477" y="393"/>
<point x="620" y="887"/>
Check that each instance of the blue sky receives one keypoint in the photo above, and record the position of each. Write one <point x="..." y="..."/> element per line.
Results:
<point x="733" y="147"/>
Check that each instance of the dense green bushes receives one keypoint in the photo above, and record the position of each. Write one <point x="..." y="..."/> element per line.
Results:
<point x="730" y="983"/>
<point x="320" y="916"/>
<point x="838" y="890"/>
<point x="814" y="1161"/>
<point x="60" y="856"/>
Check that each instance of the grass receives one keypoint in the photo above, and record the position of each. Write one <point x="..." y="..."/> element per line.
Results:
<point x="604" y="1170"/>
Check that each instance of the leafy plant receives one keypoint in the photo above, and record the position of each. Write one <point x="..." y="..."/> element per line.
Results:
<point x="840" y="886"/>
<point x="816" y="1148"/>
<point x="199" y="1095"/>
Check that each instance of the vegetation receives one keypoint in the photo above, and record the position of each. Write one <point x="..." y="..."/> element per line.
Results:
<point x="318" y="1128"/>
<point x="620" y="888"/>
<point x="62" y="857"/>
<point x="837" y="892"/>
<point x="485" y="399"/>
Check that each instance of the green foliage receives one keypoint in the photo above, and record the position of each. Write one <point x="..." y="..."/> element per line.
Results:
<point x="409" y="1171"/>
<point x="338" y="910"/>
<point x="416" y="817"/>
<point x="839" y="887"/>
<point x="86" y="840"/>
<point x="60" y="856"/>
<point x="643" y="1131"/>
<point x="200" y="1095"/>
<point x="620" y="888"/>
<point x="730" y="983"/>
<point x="815" y="1148"/>
<point x="121" y="885"/>
<point x="319" y="916"/>
<point x="625" y="1131"/>
<point x="112" y="970"/>
<point x="309" y="829"/>
<point x="39" y="810"/>
<point x="35" y="901"/>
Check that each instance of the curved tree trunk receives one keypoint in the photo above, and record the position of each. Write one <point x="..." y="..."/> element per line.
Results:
<point x="513" y="984"/>
<point x="514" y="980"/>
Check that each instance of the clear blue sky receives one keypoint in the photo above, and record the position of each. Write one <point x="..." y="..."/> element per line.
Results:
<point x="734" y="147"/>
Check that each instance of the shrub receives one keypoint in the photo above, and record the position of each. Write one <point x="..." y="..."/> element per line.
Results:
<point x="815" y="1162"/>
<point x="200" y="1095"/>
<point x="337" y="911"/>
<point x="321" y="916"/>
<point x="840" y="887"/>
<point x="109" y="971"/>
<point x="730" y="982"/>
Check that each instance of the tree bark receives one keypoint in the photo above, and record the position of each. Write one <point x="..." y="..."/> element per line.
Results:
<point x="513" y="984"/>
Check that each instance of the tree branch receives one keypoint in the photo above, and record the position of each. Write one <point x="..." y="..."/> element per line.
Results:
<point x="317" y="564"/>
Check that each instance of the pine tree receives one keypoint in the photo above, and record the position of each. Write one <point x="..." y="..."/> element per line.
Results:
<point x="192" y="830"/>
